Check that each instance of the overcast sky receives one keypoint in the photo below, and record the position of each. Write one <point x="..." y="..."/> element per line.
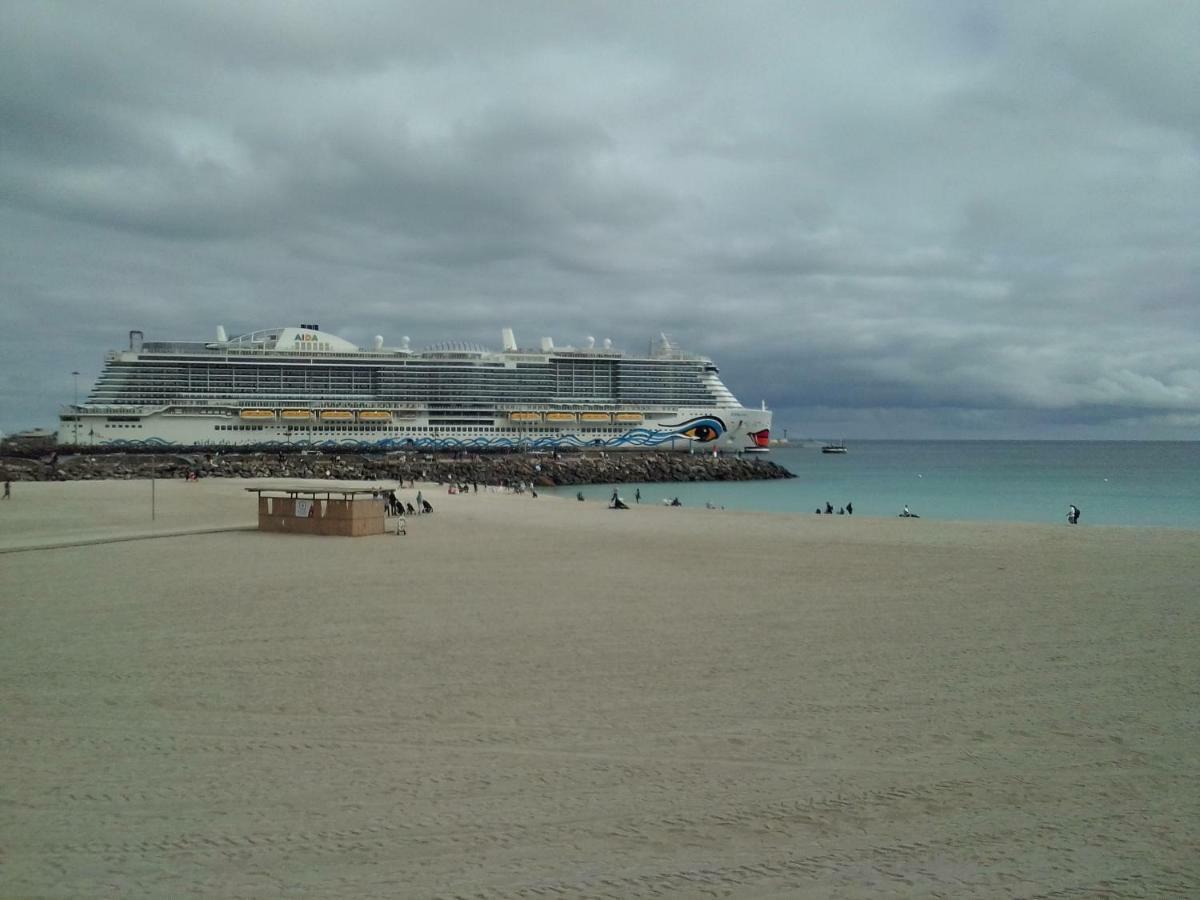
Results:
<point x="925" y="219"/>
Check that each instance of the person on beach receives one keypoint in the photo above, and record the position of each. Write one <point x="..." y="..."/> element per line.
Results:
<point x="7" y="489"/>
<point x="420" y="503"/>
<point x="828" y="508"/>
<point x="849" y="509"/>
<point x="637" y="496"/>
<point x="614" y="498"/>
<point x="1072" y="514"/>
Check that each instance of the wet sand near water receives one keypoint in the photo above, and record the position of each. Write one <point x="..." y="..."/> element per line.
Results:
<point x="537" y="697"/>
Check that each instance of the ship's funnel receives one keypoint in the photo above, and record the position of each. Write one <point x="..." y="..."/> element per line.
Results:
<point x="221" y="337"/>
<point x="510" y="342"/>
<point x="547" y="344"/>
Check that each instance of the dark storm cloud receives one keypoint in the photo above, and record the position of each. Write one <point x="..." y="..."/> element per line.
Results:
<point x="883" y="219"/>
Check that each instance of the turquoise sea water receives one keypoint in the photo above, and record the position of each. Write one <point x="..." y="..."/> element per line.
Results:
<point x="1113" y="483"/>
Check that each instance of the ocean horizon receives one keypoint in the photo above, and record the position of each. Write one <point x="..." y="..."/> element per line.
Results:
<point x="1135" y="483"/>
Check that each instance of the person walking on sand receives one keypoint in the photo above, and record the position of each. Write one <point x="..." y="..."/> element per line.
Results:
<point x="420" y="503"/>
<point x="637" y="496"/>
<point x="849" y="509"/>
<point x="7" y="489"/>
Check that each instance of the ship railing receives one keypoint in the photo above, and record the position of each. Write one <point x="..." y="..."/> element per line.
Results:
<point x="98" y="409"/>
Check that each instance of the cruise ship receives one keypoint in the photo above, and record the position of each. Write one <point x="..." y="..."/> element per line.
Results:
<point x="304" y="387"/>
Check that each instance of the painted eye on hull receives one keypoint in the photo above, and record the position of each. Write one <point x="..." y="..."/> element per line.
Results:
<point x="702" y="432"/>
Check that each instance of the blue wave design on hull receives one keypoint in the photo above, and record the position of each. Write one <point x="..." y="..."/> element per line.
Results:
<point x="640" y="437"/>
<point x="700" y="430"/>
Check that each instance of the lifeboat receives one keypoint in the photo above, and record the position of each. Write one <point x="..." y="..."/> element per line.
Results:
<point x="595" y="417"/>
<point x="629" y="417"/>
<point x="560" y="417"/>
<point x="337" y="415"/>
<point x="374" y="415"/>
<point x="257" y="415"/>
<point x="296" y="415"/>
<point x="525" y="417"/>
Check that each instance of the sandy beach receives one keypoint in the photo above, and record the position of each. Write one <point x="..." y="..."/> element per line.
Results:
<point x="537" y="697"/>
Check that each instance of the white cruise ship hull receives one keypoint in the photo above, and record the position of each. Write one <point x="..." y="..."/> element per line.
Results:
<point x="687" y="430"/>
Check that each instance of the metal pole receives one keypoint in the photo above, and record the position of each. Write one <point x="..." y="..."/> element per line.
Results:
<point x="151" y="498"/>
<point x="75" y="408"/>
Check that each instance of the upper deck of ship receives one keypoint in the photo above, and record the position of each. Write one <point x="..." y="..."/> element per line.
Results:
<point x="311" y="342"/>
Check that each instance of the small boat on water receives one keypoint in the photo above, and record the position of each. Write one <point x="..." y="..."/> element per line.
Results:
<point x="839" y="447"/>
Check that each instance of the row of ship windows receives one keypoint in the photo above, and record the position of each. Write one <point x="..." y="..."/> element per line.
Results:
<point x="322" y="429"/>
<point x="484" y="378"/>
<point x="454" y="398"/>
<point x="407" y="378"/>
<point x="414" y="383"/>
<point x="497" y="391"/>
<point x="440" y="365"/>
<point x="491" y="388"/>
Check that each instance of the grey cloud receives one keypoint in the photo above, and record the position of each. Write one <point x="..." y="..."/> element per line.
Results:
<point x="973" y="219"/>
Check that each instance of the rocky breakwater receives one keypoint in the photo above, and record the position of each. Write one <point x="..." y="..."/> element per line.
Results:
<point x="545" y="470"/>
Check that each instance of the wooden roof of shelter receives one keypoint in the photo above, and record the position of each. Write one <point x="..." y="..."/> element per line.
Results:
<point x="320" y="487"/>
